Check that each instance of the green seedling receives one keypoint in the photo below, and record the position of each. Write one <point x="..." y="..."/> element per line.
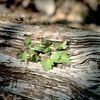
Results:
<point x="44" y="51"/>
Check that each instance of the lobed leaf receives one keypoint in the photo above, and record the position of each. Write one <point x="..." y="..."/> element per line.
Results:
<point x="64" y="57"/>
<point x="55" y="56"/>
<point x="30" y="51"/>
<point x="27" y="41"/>
<point x="46" y="43"/>
<point x="37" y="46"/>
<point x="64" y="45"/>
<point x="35" y="58"/>
<point x="22" y="55"/>
<point x="46" y="49"/>
<point x="47" y="64"/>
<point x="57" y="45"/>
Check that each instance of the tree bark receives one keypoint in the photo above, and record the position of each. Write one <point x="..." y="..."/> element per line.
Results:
<point x="77" y="80"/>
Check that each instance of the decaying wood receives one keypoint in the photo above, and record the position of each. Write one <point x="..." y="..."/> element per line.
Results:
<point x="77" y="80"/>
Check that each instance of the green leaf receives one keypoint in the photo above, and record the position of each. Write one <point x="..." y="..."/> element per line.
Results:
<point x="30" y="51"/>
<point x="35" y="58"/>
<point x="27" y="41"/>
<point x="46" y="43"/>
<point x="64" y="45"/>
<point x="37" y="46"/>
<point x="55" y="56"/>
<point x="64" y="57"/>
<point x="46" y="46"/>
<point x="57" y="45"/>
<point x="22" y="55"/>
<point x="46" y="49"/>
<point x="47" y="64"/>
<point x="44" y="56"/>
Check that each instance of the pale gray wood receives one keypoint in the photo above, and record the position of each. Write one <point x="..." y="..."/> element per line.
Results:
<point x="78" y="80"/>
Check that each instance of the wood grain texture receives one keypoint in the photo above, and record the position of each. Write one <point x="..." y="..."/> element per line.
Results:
<point x="78" y="80"/>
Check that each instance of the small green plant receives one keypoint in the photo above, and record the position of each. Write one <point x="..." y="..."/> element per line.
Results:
<point x="46" y="52"/>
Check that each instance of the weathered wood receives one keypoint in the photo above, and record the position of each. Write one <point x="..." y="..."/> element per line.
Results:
<point x="78" y="80"/>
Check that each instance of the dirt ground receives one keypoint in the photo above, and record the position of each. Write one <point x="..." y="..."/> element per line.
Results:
<point x="27" y="12"/>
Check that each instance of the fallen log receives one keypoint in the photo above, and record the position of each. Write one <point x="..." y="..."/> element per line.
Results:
<point x="77" y="80"/>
